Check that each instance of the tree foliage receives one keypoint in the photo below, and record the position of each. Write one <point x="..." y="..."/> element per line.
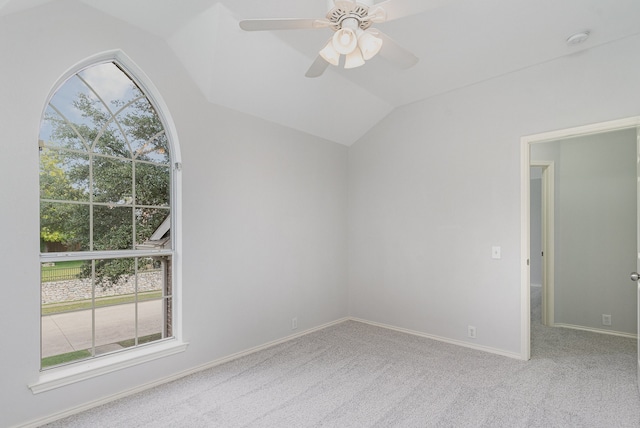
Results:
<point x="54" y="184"/>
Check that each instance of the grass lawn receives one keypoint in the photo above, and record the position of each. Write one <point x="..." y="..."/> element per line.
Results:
<point x="65" y="358"/>
<point x="86" y="353"/>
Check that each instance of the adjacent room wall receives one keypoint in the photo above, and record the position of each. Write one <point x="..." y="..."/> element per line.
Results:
<point x="595" y="223"/>
<point x="435" y="186"/>
<point x="264" y="212"/>
<point x="536" y="227"/>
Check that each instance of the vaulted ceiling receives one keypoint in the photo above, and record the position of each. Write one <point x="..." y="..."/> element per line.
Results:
<point x="458" y="42"/>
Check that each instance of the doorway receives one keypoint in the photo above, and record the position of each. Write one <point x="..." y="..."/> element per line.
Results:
<point x="595" y="297"/>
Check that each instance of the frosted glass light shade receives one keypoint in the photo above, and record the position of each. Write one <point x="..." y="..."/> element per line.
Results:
<point x="345" y="41"/>
<point x="329" y="54"/>
<point x="354" y="59"/>
<point x="369" y="44"/>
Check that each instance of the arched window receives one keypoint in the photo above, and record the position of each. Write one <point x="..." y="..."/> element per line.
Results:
<point x="105" y="219"/>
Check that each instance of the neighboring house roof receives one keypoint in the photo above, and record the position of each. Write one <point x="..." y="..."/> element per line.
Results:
<point x="160" y="238"/>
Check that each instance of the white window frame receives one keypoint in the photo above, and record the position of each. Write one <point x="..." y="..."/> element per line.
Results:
<point x="56" y="377"/>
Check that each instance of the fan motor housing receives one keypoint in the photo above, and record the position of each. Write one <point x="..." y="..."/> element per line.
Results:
<point x="359" y="12"/>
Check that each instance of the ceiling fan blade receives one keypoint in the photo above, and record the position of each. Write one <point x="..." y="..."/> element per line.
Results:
<point x="282" y="24"/>
<point x="317" y="68"/>
<point x="396" y="9"/>
<point x="393" y="52"/>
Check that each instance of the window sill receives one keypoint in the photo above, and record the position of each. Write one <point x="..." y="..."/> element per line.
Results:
<point x="59" y="377"/>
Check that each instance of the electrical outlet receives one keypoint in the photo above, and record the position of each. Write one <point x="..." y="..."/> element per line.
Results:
<point x="606" y="319"/>
<point x="496" y="253"/>
<point x="294" y="323"/>
<point x="471" y="331"/>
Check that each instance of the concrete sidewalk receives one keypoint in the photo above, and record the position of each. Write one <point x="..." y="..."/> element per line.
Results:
<point x="62" y="333"/>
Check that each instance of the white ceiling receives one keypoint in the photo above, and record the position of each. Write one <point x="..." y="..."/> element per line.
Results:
<point x="459" y="42"/>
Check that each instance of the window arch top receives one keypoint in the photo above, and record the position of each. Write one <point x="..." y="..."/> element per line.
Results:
<point x="101" y="110"/>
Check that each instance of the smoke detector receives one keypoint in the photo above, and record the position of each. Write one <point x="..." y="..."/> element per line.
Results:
<point x="577" y="38"/>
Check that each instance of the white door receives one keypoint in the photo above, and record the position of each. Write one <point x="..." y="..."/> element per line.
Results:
<point x="634" y="275"/>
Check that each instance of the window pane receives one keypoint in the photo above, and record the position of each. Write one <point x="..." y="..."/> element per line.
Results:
<point x="56" y="131"/>
<point x="168" y="322"/>
<point x="82" y="107"/>
<point x="153" y="184"/>
<point x="66" y="286"/>
<point x="151" y="277"/>
<point x="112" y="84"/>
<point x="112" y="228"/>
<point x="154" y="150"/>
<point x="115" y="290"/>
<point x="147" y="222"/>
<point x="111" y="142"/>
<point x="66" y="337"/>
<point x="64" y="175"/>
<point x="143" y="127"/>
<point x="150" y="320"/>
<point x="64" y="227"/>
<point x="115" y="277"/>
<point x="113" y="181"/>
<point x="115" y="328"/>
<point x="78" y="104"/>
<point x="66" y="312"/>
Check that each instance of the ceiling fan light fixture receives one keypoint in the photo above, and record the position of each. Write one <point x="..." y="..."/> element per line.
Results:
<point x="329" y="54"/>
<point x="345" y="41"/>
<point x="354" y="37"/>
<point x="354" y="59"/>
<point x="369" y="44"/>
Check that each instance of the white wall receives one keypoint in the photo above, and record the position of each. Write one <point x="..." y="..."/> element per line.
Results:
<point x="264" y="227"/>
<point x="595" y="224"/>
<point x="436" y="184"/>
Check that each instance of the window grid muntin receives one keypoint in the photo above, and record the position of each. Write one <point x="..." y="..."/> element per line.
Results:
<point x="44" y="145"/>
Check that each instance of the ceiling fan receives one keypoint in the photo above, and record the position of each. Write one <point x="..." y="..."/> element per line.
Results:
<point x="351" y="21"/>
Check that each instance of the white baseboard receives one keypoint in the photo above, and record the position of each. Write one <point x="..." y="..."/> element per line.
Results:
<point x="445" y="339"/>
<point x="597" y="330"/>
